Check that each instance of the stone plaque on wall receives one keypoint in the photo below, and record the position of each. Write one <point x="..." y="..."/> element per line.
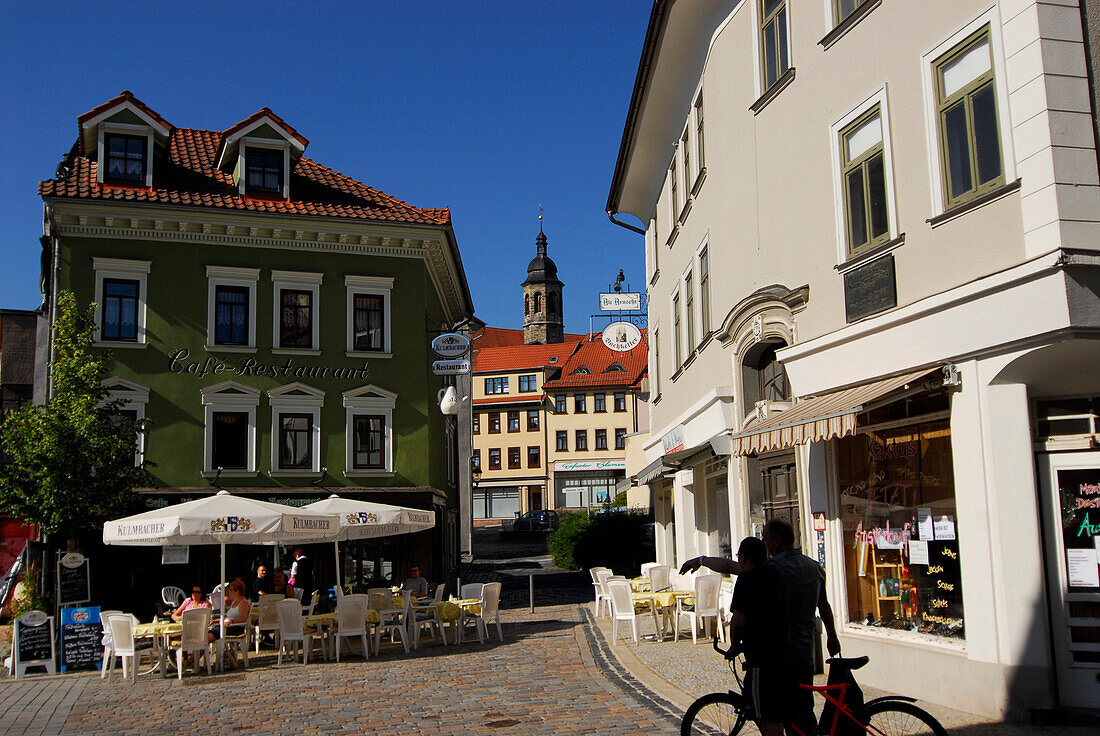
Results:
<point x="870" y="288"/>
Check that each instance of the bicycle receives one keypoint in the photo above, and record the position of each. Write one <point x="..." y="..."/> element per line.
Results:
<point x="892" y="715"/>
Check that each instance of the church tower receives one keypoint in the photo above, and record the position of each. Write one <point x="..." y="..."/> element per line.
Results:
<point x="543" y="322"/>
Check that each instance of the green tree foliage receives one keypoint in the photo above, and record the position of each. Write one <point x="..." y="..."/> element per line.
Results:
<point x="614" y="539"/>
<point x="70" y="462"/>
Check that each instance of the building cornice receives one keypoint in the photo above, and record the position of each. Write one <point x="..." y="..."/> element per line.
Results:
<point x="128" y="221"/>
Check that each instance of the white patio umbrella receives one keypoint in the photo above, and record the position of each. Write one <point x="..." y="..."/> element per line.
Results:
<point x="366" y="520"/>
<point x="220" y="519"/>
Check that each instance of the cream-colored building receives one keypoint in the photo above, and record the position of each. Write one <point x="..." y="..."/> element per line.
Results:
<point x="595" y="403"/>
<point x="510" y="427"/>
<point x="872" y="233"/>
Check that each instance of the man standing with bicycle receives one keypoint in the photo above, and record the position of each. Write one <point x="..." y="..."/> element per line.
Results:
<point x="804" y="588"/>
<point x="760" y="625"/>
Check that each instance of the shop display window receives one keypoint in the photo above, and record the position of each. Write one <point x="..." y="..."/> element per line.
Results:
<point x="901" y="549"/>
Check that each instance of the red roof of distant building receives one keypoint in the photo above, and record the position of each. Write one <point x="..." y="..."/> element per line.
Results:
<point x="190" y="177"/>
<point x="499" y="337"/>
<point x="597" y="358"/>
<point x="520" y="357"/>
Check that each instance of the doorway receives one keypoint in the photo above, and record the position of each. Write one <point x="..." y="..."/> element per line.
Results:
<point x="1069" y="485"/>
<point x="773" y="492"/>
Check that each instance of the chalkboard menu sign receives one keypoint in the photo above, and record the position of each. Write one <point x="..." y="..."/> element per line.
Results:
<point x="34" y="642"/>
<point x="81" y="637"/>
<point x="73" y="582"/>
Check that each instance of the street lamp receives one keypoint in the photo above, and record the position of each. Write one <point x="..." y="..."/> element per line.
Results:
<point x="475" y="470"/>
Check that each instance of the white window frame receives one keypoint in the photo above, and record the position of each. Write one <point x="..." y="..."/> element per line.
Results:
<point x="123" y="129"/>
<point x="242" y="161"/>
<point x="231" y="276"/>
<point x="698" y="265"/>
<point x="368" y="399"/>
<point x="677" y="340"/>
<point x="296" y="398"/>
<point x="229" y="396"/>
<point x="758" y="50"/>
<point x="689" y="312"/>
<point x="879" y="97"/>
<point x="673" y="205"/>
<point x="655" y="356"/>
<point x="296" y="281"/>
<point x="118" y="268"/>
<point x="991" y="17"/>
<point x="134" y="397"/>
<point x="378" y="286"/>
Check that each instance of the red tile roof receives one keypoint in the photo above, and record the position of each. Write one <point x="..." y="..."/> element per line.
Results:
<point x="262" y="113"/>
<point x="597" y="358"/>
<point x="189" y="178"/>
<point x="520" y="357"/>
<point x="126" y="96"/>
<point x="497" y="337"/>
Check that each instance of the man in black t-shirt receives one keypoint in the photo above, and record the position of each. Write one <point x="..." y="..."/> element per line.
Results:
<point x="760" y="625"/>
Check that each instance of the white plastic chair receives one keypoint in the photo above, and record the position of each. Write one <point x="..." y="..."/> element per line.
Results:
<point x="196" y="627"/>
<point x="393" y="620"/>
<point x="172" y="596"/>
<point x="293" y="630"/>
<point x="490" y="611"/>
<point x="267" y="618"/>
<point x="598" y="603"/>
<point x="241" y="642"/>
<point x="313" y="601"/>
<point x="217" y="596"/>
<point x="623" y="608"/>
<point x="471" y="590"/>
<point x="106" y="640"/>
<point x="351" y="615"/>
<point x="602" y="576"/>
<point x="122" y="645"/>
<point x="646" y="566"/>
<point x="705" y="608"/>
<point x="659" y="577"/>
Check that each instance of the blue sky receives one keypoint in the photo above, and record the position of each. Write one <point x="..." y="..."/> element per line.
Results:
<point x="489" y="108"/>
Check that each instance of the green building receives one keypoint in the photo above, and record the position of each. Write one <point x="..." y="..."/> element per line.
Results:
<point x="270" y="318"/>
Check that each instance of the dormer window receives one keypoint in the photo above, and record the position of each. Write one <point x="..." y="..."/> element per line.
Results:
<point x="124" y="158"/>
<point x="263" y="171"/>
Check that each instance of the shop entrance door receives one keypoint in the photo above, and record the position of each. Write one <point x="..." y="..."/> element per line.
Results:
<point x="780" y="485"/>
<point x="1070" y="496"/>
<point x="535" y="498"/>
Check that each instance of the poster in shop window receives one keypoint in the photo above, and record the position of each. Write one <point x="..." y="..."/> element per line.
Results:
<point x="1079" y="493"/>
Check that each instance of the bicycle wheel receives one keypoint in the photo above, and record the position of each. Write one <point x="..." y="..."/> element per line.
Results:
<point x="716" y="713"/>
<point x="899" y="718"/>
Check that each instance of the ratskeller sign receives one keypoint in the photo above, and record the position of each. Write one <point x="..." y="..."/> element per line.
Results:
<point x="178" y="363"/>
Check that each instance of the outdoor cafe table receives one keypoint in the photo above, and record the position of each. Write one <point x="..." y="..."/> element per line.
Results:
<point x="665" y="601"/>
<point x="640" y="584"/>
<point x="161" y="632"/>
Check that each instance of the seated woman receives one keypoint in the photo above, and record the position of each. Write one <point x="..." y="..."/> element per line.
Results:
<point x="280" y="586"/>
<point x="237" y="608"/>
<point x="197" y="600"/>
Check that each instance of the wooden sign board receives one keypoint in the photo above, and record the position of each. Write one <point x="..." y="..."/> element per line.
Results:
<point x="33" y="643"/>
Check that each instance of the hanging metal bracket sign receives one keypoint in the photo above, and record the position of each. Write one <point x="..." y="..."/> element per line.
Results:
<point x="625" y="302"/>
<point x="451" y="367"/>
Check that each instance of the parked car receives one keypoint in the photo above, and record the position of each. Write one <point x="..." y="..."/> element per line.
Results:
<point x="537" y="521"/>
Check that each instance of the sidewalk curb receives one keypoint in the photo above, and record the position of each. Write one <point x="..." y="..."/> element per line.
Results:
<point x="649" y="690"/>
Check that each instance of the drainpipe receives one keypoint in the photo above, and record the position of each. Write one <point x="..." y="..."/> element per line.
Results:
<point x="620" y="223"/>
<point x="56" y="246"/>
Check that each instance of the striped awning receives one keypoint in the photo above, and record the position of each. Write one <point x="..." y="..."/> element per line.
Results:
<point x="819" y="418"/>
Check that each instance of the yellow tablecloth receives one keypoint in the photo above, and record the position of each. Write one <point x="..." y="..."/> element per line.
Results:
<point x="640" y="585"/>
<point x="158" y="629"/>
<point x="665" y="598"/>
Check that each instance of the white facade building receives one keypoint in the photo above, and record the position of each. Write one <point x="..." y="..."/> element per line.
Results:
<point x="873" y="259"/>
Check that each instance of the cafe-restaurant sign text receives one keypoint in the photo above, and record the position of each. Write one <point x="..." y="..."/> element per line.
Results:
<point x="179" y="361"/>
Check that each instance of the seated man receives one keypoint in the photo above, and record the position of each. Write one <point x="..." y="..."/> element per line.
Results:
<point x="262" y="584"/>
<point x="416" y="585"/>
